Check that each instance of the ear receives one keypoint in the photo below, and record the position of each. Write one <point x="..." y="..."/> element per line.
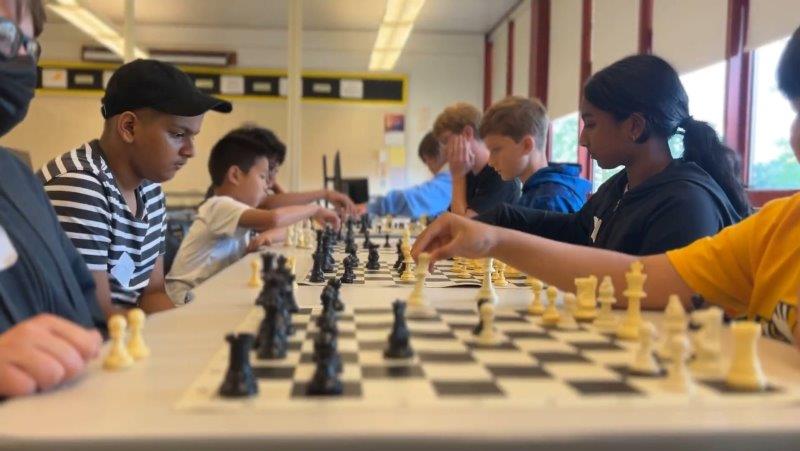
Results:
<point x="234" y="175"/>
<point x="126" y="126"/>
<point x="528" y="143"/>
<point x="637" y="128"/>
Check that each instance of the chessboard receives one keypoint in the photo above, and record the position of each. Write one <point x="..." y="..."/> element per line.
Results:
<point x="442" y="276"/>
<point x="534" y="366"/>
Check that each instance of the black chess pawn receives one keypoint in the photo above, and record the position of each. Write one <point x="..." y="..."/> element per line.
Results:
<point x="354" y="255"/>
<point x="328" y="263"/>
<point x="373" y="260"/>
<point x="317" y="274"/>
<point x="288" y="293"/>
<point x="386" y="243"/>
<point x="349" y="264"/>
<point x="239" y="380"/>
<point x="399" y="345"/>
<point x="367" y="242"/>
<point x="325" y="381"/>
<point x="325" y="348"/>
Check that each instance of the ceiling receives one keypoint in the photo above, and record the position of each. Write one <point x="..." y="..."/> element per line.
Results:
<point x="443" y="16"/>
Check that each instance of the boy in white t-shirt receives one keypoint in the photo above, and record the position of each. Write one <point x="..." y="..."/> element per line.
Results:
<point x="228" y="223"/>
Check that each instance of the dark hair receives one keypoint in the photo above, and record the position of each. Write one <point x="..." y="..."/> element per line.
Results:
<point x="242" y="147"/>
<point x="648" y="85"/>
<point x="36" y="9"/>
<point x="789" y="68"/>
<point x="429" y="146"/>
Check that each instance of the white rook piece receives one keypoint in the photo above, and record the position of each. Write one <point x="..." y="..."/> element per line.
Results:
<point x="745" y="372"/>
<point x="635" y="278"/>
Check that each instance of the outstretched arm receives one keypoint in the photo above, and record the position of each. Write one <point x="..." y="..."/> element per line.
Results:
<point x="554" y="262"/>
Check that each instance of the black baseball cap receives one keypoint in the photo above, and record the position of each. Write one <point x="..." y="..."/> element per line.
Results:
<point x="146" y="83"/>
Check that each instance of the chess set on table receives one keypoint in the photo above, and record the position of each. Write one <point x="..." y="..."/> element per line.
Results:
<point x="412" y="354"/>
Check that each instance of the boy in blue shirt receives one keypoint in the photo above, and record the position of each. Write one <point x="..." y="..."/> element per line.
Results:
<point x="430" y="198"/>
<point x="515" y="132"/>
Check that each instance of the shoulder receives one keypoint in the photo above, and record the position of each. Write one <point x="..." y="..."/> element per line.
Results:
<point x="221" y="204"/>
<point x="84" y="160"/>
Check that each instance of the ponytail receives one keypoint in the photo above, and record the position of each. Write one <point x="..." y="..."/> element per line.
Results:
<point x="702" y="146"/>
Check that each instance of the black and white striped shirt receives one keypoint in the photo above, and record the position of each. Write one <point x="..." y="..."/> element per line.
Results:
<point x="93" y="213"/>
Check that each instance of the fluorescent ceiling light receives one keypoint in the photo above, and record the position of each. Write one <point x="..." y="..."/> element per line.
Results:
<point x="99" y="28"/>
<point x="398" y="21"/>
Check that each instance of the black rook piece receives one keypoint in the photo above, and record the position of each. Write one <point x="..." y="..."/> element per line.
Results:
<point x="239" y="380"/>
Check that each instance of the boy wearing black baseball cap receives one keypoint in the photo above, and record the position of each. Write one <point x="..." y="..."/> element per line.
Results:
<point x="106" y="193"/>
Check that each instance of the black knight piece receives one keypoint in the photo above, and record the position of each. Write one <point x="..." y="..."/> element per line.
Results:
<point x="239" y="379"/>
<point x="373" y="260"/>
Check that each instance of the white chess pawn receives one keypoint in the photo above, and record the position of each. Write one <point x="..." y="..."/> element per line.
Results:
<point x="118" y="357"/>
<point x="301" y="238"/>
<point x="567" y="321"/>
<point x="745" y="372"/>
<point x="289" y="241"/>
<point x="488" y="334"/>
<point x="550" y="317"/>
<point x="679" y="379"/>
<point x="536" y="306"/>
<point x="136" y="345"/>
<point x="674" y="324"/>
<point x="644" y="361"/>
<point x="255" y="273"/>
<point x="606" y="321"/>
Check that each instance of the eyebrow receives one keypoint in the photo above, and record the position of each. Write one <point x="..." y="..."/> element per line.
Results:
<point x="187" y="130"/>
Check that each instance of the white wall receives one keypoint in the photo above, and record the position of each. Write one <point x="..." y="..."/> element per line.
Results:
<point x="522" y="48"/>
<point x="499" y="40"/>
<point x="441" y="69"/>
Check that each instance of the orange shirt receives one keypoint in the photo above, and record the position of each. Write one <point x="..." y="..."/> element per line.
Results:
<point x="751" y="268"/>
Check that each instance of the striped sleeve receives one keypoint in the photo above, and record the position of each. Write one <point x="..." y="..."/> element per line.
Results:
<point x="83" y="211"/>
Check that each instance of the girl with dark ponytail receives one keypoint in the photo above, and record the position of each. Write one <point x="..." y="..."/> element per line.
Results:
<point x="630" y="111"/>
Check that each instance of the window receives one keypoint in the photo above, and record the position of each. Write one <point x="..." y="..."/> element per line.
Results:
<point x="772" y="163"/>
<point x="565" y="139"/>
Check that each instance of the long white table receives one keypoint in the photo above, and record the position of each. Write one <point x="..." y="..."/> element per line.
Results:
<point x="135" y="408"/>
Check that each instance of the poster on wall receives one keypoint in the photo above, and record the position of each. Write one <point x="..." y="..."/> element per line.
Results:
<point x="393" y="155"/>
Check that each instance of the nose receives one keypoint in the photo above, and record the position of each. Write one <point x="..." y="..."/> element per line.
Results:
<point x="188" y="149"/>
<point x="583" y="141"/>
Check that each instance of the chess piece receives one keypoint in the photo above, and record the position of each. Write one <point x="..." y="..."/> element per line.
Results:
<point x="678" y="378"/>
<point x="536" y="306"/>
<point x="272" y="340"/>
<point x="348" y="276"/>
<point x="644" y="362"/>
<point x="367" y="242"/>
<point x="550" y="317"/>
<point x="745" y="371"/>
<point x="606" y="321"/>
<point x="301" y="242"/>
<point x="118" y="357"/>
<point x="408" y="262"/>
<point x="417" y="299"/>
<point x="289" y="241"/>
<point x="373" y="259"/>
<point x="136" y="345"/>
<point x="500" y="281"/>
<point x="325" y="380"/>
<point x="386" y="243"/>
<point x="487" y="334"/>
<point x="707" y="342"/>
<point x="399" y="345"/>
<point x="239" y="379"/>
<point x="567" y="321"/>
<point x="674" y="323"/>
<point x="634" y="292"/>
<point x="587" y="302"/>
<point x="398" y="264"/>
<point x="463" y="271"/>
<point x="487" y="288"/>
<point x="255" y="274"/>
<point x="317" y="275"/>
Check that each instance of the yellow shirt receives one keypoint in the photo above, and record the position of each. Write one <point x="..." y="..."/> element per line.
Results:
<point x="751" y="268"/>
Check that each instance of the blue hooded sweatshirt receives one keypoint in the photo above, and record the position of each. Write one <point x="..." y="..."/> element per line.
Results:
<point x="558" y="187"/>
